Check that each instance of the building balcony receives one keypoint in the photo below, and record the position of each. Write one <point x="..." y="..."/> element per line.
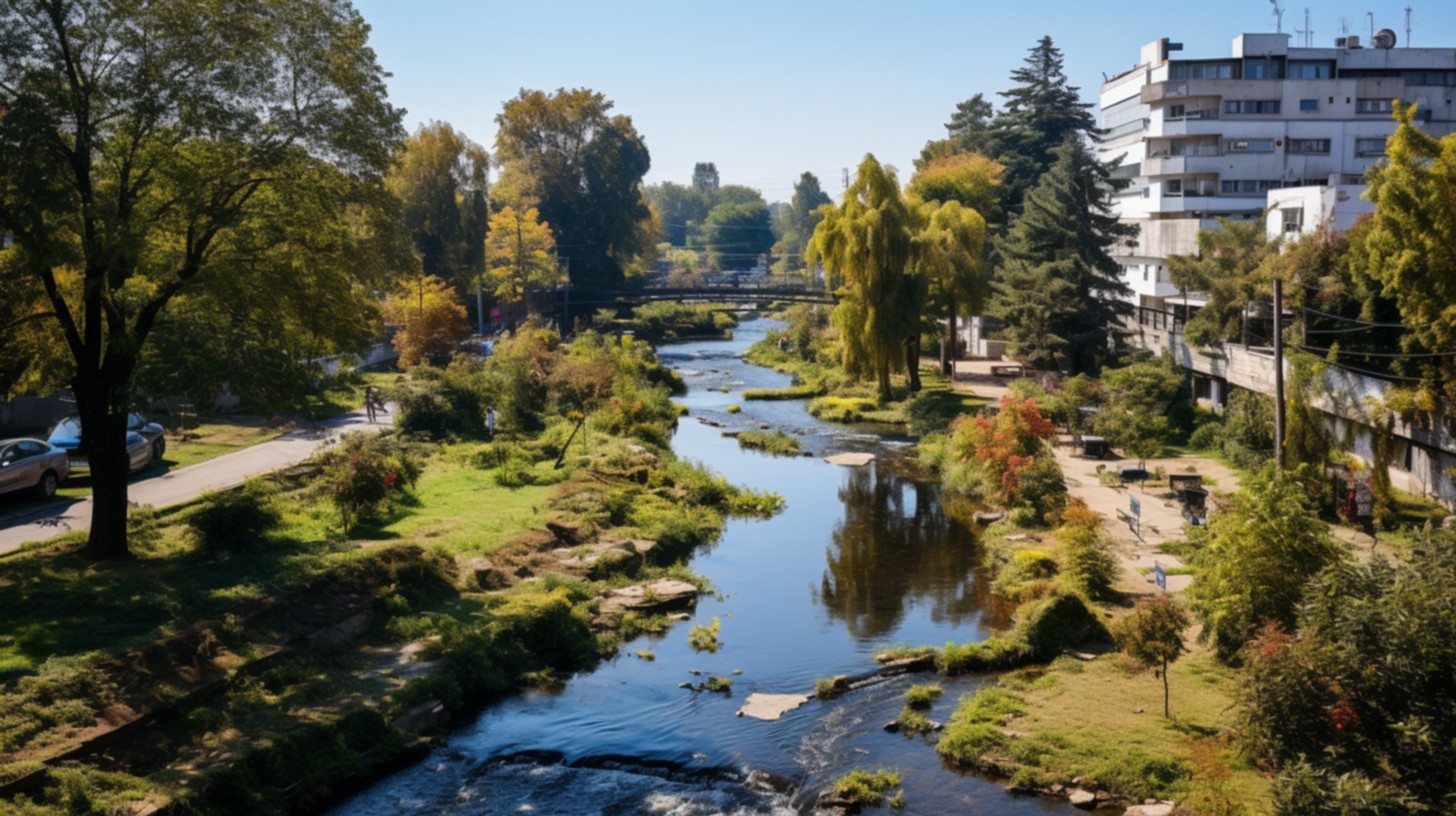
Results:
<point x="1198" y="123"/>
<point x="1211" y="202"/>
<point x="1203" y="161"/>
<point x="1177" y="90"/>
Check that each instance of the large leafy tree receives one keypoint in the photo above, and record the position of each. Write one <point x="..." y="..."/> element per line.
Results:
<point x="735" y="235"/>
<point x="705" y="178"/>
<point x="971" y="179"/>
<point x="440" y="178"/>
<point x="256" y="324"/>
<point x="1135" y="403"/>
<point x="582" y="168"/>
<point x="1060" y="290"/>
<point x="865" y="246"/>
<point x="520" y="254"/>
<point x="1256" y="558"/>
<point x="1409" y="249"/>
<point x="134" y="139"/>
<point x="430" y="317"/>
<point x="680" y="210"/>
<point x="1042" y="113"/>
<point x="1230" y="269"/>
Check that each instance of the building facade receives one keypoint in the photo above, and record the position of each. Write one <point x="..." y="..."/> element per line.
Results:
<point x="1208" y="138"/>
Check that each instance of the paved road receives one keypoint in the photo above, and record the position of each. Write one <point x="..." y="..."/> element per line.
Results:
<point x="188" y="483"/>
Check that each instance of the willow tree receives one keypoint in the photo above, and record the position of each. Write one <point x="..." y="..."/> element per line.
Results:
<point x="865" y="246"/>
<point x="135" y="138"/>
<point x="948" y="246"/>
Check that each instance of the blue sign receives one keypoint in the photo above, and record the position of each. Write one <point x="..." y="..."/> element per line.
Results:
<point x="1161" y="576"/>
<point x="1137" y="507"/>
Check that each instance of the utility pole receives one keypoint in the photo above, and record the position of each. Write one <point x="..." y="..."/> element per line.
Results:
<point x="1279" y="373"/>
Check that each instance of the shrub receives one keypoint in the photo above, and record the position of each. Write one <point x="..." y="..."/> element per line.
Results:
<point x="443" y="402"/>
<point x="921" y="696"/>
<point x="975" y="728"/>
<point x="775" y="442"/>
<point x="863" y="789"/>
<point x="236" y="520"/>
<point x="705" y="638"/>
<point x="366" y="474"/>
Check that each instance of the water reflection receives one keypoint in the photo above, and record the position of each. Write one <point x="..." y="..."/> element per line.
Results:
<point x="895" y="548"/>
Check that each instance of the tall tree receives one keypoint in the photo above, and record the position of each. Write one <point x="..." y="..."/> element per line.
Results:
<point x="1042" y="113"/>
<point x="135" y="138"/>
<point x="705" y="178"/>
<point x="1060" y="289"/>
<point x="440" y="177"/>
<point x="949" y="240"/>
<point x="865" y="246"/>
<point x="582" y="168"/>
<point x="680" y="210"/>
<point x="970" y="126"/>
<point x="1408" y="251"/>
<point x="520" y="254"/>
<point x="1230" y="269"/>
<point x="796" y="222"/>
<point x="971" y="179"/>
<point x="735" y="235"/>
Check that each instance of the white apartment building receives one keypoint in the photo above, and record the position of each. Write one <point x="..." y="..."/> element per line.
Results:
<point x="1215" y="138"/>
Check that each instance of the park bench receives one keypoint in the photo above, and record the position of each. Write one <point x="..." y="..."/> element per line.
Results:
<point x="1011" y="370"/>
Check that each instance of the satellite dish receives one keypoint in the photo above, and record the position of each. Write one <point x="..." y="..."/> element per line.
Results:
<point x="1384" y="38"/>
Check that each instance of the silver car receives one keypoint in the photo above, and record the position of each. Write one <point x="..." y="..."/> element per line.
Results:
<point x="30" y="464"/>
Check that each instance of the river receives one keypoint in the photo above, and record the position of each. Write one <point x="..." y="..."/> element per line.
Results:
<point x="860" y="559"/>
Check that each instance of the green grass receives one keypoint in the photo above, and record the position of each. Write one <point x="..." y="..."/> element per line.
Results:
<point x="865" y="789"/>
<point x="463" y="509"/>
<point x="790" y="393"/>
<point x="775" y="442"/>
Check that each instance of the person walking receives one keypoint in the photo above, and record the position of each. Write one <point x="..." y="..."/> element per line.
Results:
<point x="490" y="422"/>
<point x="371" y="404"/>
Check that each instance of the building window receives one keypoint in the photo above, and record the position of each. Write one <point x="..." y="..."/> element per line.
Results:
<point x="1372" y="106"/>
<point x="1172" y="187"/>
<point x="1305" y="69"/>
<point x="1256" y="106"/>
<point x="1309" y="106"/>
<point x="1370" y="147"/>
<point x="1293" y="219"/>
<point x="1251" y="145"/>
<point x="1315" y="147"/>
<point x="1443" y="78"/>
<point x="1248" y="186"/>
<point x="1201" y="70"/>
<point x="1264" y="68"/>
<point x="1174" y="112"/>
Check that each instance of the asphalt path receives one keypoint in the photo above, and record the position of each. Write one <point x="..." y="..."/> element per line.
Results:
<point x="185" y="484"/>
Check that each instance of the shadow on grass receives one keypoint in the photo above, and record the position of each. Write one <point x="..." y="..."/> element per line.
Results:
<point x="55" y="603"/>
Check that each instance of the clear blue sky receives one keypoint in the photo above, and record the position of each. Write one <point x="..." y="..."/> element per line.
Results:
<point x="767" y="90"/>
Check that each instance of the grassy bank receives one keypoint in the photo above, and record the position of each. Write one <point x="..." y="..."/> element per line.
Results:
<point x="264" y="650"/>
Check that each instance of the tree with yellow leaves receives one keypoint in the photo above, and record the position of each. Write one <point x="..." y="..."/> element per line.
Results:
<point x="431" y="318"/>
<point x="520" y="254"/>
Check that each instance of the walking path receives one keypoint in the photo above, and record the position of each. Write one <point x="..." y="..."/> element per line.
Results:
<point x="1161" y="515"/>
<point x="188" y="483"/>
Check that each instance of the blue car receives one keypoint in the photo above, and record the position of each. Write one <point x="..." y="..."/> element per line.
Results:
<point x="145" y="441"/>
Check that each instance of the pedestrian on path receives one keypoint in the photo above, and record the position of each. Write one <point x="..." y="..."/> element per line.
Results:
<point x="370" y="404"/>
<point x="490" y="422"/>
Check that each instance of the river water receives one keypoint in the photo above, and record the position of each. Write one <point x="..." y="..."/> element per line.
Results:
<point x="860" y="559"/>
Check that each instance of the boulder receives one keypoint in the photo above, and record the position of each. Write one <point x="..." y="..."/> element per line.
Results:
<point x="570" y="532"/>
<point x="1150" y="809"/>
<point x="486" y="575"/>
<point x="426" y="718"/>
<point x="771" y="706"/>
<point x="661" y="595"/>
<point x="613" y="561"/>
<point x="850" y="459"/>
<point x="1082" y="798"/>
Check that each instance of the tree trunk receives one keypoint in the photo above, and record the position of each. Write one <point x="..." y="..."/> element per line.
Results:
<point x="104" y="437"/>
<point x="1166" y="716"/>
<point x="912" y="362"/>
<point x="948" y="350"/>
<point x="882" y="373"/>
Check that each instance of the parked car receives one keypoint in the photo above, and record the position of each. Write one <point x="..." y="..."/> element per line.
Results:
<point x="30" y="464"/>
<point x="67" y="436"/>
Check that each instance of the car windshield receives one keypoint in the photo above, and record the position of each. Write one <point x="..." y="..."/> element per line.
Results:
<point x="70" y="427"/>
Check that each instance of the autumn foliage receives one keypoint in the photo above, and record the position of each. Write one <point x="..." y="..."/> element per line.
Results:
<point x="1004" y="458"/>
<point x="431" y="318"/>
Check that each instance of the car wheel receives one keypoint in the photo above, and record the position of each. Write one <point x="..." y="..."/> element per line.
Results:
<point x="159" y="447"/>
<point x="46" y="487"/>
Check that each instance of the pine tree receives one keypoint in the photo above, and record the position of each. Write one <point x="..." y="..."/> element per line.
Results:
<point x="1060" y="290"/>
<point x="1042" y="111"/>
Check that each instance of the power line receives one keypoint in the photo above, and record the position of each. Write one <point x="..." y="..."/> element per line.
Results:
<point x="1384" y="355"/>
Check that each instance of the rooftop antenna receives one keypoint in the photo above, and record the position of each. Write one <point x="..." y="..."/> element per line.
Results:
<point x="1407" y="26"/>
<point x="1278" y="16"/>
<point x="1306" y="34"/>
<point x="1344" y="27"/>
<point x="1370" y="15"/>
